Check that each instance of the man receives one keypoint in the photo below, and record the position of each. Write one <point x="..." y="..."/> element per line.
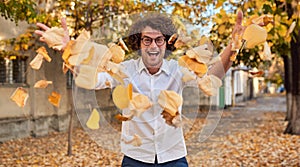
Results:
<point x="162" y="144"/>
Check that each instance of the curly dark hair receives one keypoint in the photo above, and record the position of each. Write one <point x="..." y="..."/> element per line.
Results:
<point x="156" y="21"/>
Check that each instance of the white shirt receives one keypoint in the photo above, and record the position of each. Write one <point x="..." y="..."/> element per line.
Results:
<point x="158" y="138"/>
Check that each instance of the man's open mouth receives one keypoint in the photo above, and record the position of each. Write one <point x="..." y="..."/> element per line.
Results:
<point x="153" y="53"/>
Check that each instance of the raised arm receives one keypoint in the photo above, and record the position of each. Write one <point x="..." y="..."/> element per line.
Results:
<point x="44" y="28"/>
<point x="220" y="68"/>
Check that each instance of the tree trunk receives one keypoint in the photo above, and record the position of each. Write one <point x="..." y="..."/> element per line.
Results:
<point x="294" y="123"/>
<point x="70" y="133"/>
<point x="288" y="85"/>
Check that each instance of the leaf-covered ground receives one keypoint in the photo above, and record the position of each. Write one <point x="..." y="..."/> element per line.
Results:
<point x="245" y="136"/>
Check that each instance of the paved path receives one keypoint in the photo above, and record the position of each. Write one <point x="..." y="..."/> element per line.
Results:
<point x="243" y="117"/>
<point x="250" y="113"/>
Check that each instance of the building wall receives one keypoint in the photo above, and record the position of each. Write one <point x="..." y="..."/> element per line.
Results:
<point x="39" y="116"/>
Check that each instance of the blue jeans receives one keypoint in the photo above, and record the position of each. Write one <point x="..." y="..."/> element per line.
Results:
<point x="130" y="162"/>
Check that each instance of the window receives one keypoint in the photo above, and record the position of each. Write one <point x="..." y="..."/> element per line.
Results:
<point x="13" y="69"/>
<point x="69" y="79"/>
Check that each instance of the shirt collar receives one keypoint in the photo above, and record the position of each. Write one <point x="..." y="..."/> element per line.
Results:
<point x="165" y="68"/>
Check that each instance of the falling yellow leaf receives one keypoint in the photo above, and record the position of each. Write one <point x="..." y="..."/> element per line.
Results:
<point x="67" y="51"/>
<point x="87" y="77"/>
<point x="120" y="117"/>
<point x="122" y="95"/>
<point x="267" y="55"/>
<point x="210" y="84"/>
<point x="42" y="50"/>
<point x="78" y="49"/>
<point x="116" y="71"/>
<point x="192" y="64"/>
<point x="19" y="96"/>
<point x="118" y="54"/>
<point x="187" y="75"/>
<point x="54" y="98"/>
<point x="170" y="101"/>
<point x="93" y="121"/>
<point x="182" y="41"/>
<point x="262" y="20"/>
<point x="254" y="35"/>
<point x="42" y="84"/>
<point x="174" y="121"/>
<point x="139" y="103"/>
<point x="65" y="68"/>
<point x="200" y="53"/>
<point x="36" y="63"/>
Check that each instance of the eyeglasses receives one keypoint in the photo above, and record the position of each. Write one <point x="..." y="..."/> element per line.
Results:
<point x="147" y="41"/>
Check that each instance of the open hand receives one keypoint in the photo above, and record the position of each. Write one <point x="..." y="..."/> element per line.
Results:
<point x="44" y="28"/>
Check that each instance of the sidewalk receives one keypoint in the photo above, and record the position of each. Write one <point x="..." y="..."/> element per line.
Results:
<point x="247" y="115"/>
<point x="250" y="134"/>
<point x="250" y="114"/>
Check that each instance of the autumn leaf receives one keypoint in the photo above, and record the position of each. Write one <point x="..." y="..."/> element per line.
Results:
<point x="209" y="84"/>
<point x="182" y="40"/>
<point x="42" y="84"/>
<point x="20" y="96"/>
<point x="54" y="98"/>
<point x="122" y="95"/>
<point x="118" y="54"/>
<point x="139" y="104"/>
<point x="187" y="75"/>
<point x="192" y="64"/>
<point x="93" y="120"/>
<point x="200" y="53"/>
<point x="170" y="101"/>
<point x="67" y="51"/>
<point x="87" y="77"/>
<point x="262" y="20"/>
<point x="267" y="55"/>
<point x="254" y="35"/>
<point x="171" y="120"/>
<point x="116" y="71"/>
<point x="120" y="117"/>
<point x="42" y="50"/>
<point x="37" y="62"/>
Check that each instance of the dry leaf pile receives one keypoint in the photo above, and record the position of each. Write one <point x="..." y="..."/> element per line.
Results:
<point x="264" y="145"/>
